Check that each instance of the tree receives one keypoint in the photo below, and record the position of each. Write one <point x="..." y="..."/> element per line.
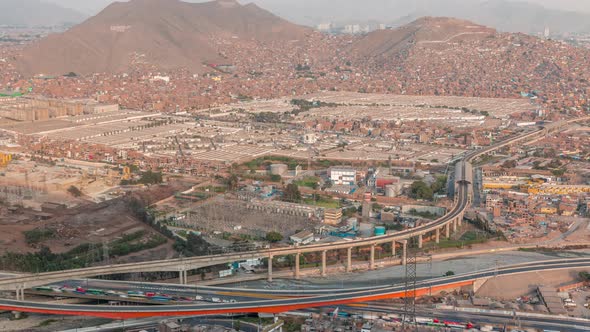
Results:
<point x="292" y="193"/>
<point x="275" y="178"/>
<point x="584" y="275"/>
<point x="150" y="177"/>
<point x="274" y="237"/>
<point x="75" y="191"/>
<point x="558" y="172"/>
<point x="420" y="190"/>
<point x="449" y="273"/>
<point x="232" y="182"/>
<point x="439" y="185"/>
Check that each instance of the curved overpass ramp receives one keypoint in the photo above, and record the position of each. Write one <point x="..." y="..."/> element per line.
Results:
<point x="282" y="305"/>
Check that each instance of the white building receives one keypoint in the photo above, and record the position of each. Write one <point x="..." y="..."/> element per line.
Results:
<point x="310" y="138"/>
<point x="342" y="175"/>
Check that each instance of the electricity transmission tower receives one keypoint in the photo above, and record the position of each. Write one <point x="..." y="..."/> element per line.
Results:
<point x="409" y="317"/>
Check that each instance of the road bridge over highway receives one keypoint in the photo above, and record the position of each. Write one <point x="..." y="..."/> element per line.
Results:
<point x="331" y="298"/>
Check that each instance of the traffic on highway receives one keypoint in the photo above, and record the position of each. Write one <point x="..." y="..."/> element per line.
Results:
<point x="287" y="304"/>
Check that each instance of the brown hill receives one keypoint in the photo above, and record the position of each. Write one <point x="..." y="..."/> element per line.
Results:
<point x="166" y="33"/>
<point x="431" y="31"/>
<point x="442" y="56"/>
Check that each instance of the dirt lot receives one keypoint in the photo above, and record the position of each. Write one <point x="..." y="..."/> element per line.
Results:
<point x="511" y="287"/>
<point x="86" y="223"/>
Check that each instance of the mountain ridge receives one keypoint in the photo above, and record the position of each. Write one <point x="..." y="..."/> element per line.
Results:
<point x="168" y="34"/>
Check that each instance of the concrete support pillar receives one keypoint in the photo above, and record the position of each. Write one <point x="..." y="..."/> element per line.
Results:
<point x="297" y="258"/>
<point x="437" y="235"/>
<point x="349" y="260"/>
<point x="448" y="231"/>
<point x="20" y="293"/>
<point x="393" y="248"/>
<point x="460" y="219"/>
<point x="183" y="277"/>
<point x="420" y="244"/>
<point x="372" y="258"/>
<point x="454" y="225"/>
<point x="404" y="251"/>
<point x="324" y="263"/>
<point x="270" y="257"/>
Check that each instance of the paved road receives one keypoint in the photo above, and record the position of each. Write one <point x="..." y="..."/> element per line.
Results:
<point x="325" y="299"/>
<point x="281" y="288"/>
<point x="562" y="324"/>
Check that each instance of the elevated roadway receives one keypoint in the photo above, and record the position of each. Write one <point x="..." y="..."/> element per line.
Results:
<point x="289" y="304"/>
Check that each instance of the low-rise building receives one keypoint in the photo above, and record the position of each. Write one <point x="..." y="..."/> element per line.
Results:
<point x="332" y="216"/>
<point x="342" y="175"/>
<point x="303" y="237"/>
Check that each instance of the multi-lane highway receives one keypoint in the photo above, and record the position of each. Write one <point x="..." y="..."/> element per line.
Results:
<point x="318" y="299"/>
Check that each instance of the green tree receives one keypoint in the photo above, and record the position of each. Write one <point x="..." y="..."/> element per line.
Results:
<point x="439" y="185"/>
<point x="292" y="193"/>
<point x="274" y="237"/>
<point x="449" y="273"/>
<point x="275" y="178"/>
<point x="558" y="172"/>
<point x="150" y="177"/>
<point x="420" y="190"/>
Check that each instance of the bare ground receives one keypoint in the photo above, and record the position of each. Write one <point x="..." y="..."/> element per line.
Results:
<point x="512" y="287"/>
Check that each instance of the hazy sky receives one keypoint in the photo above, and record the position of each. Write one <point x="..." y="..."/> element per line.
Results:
<point x="93" y="6"/>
